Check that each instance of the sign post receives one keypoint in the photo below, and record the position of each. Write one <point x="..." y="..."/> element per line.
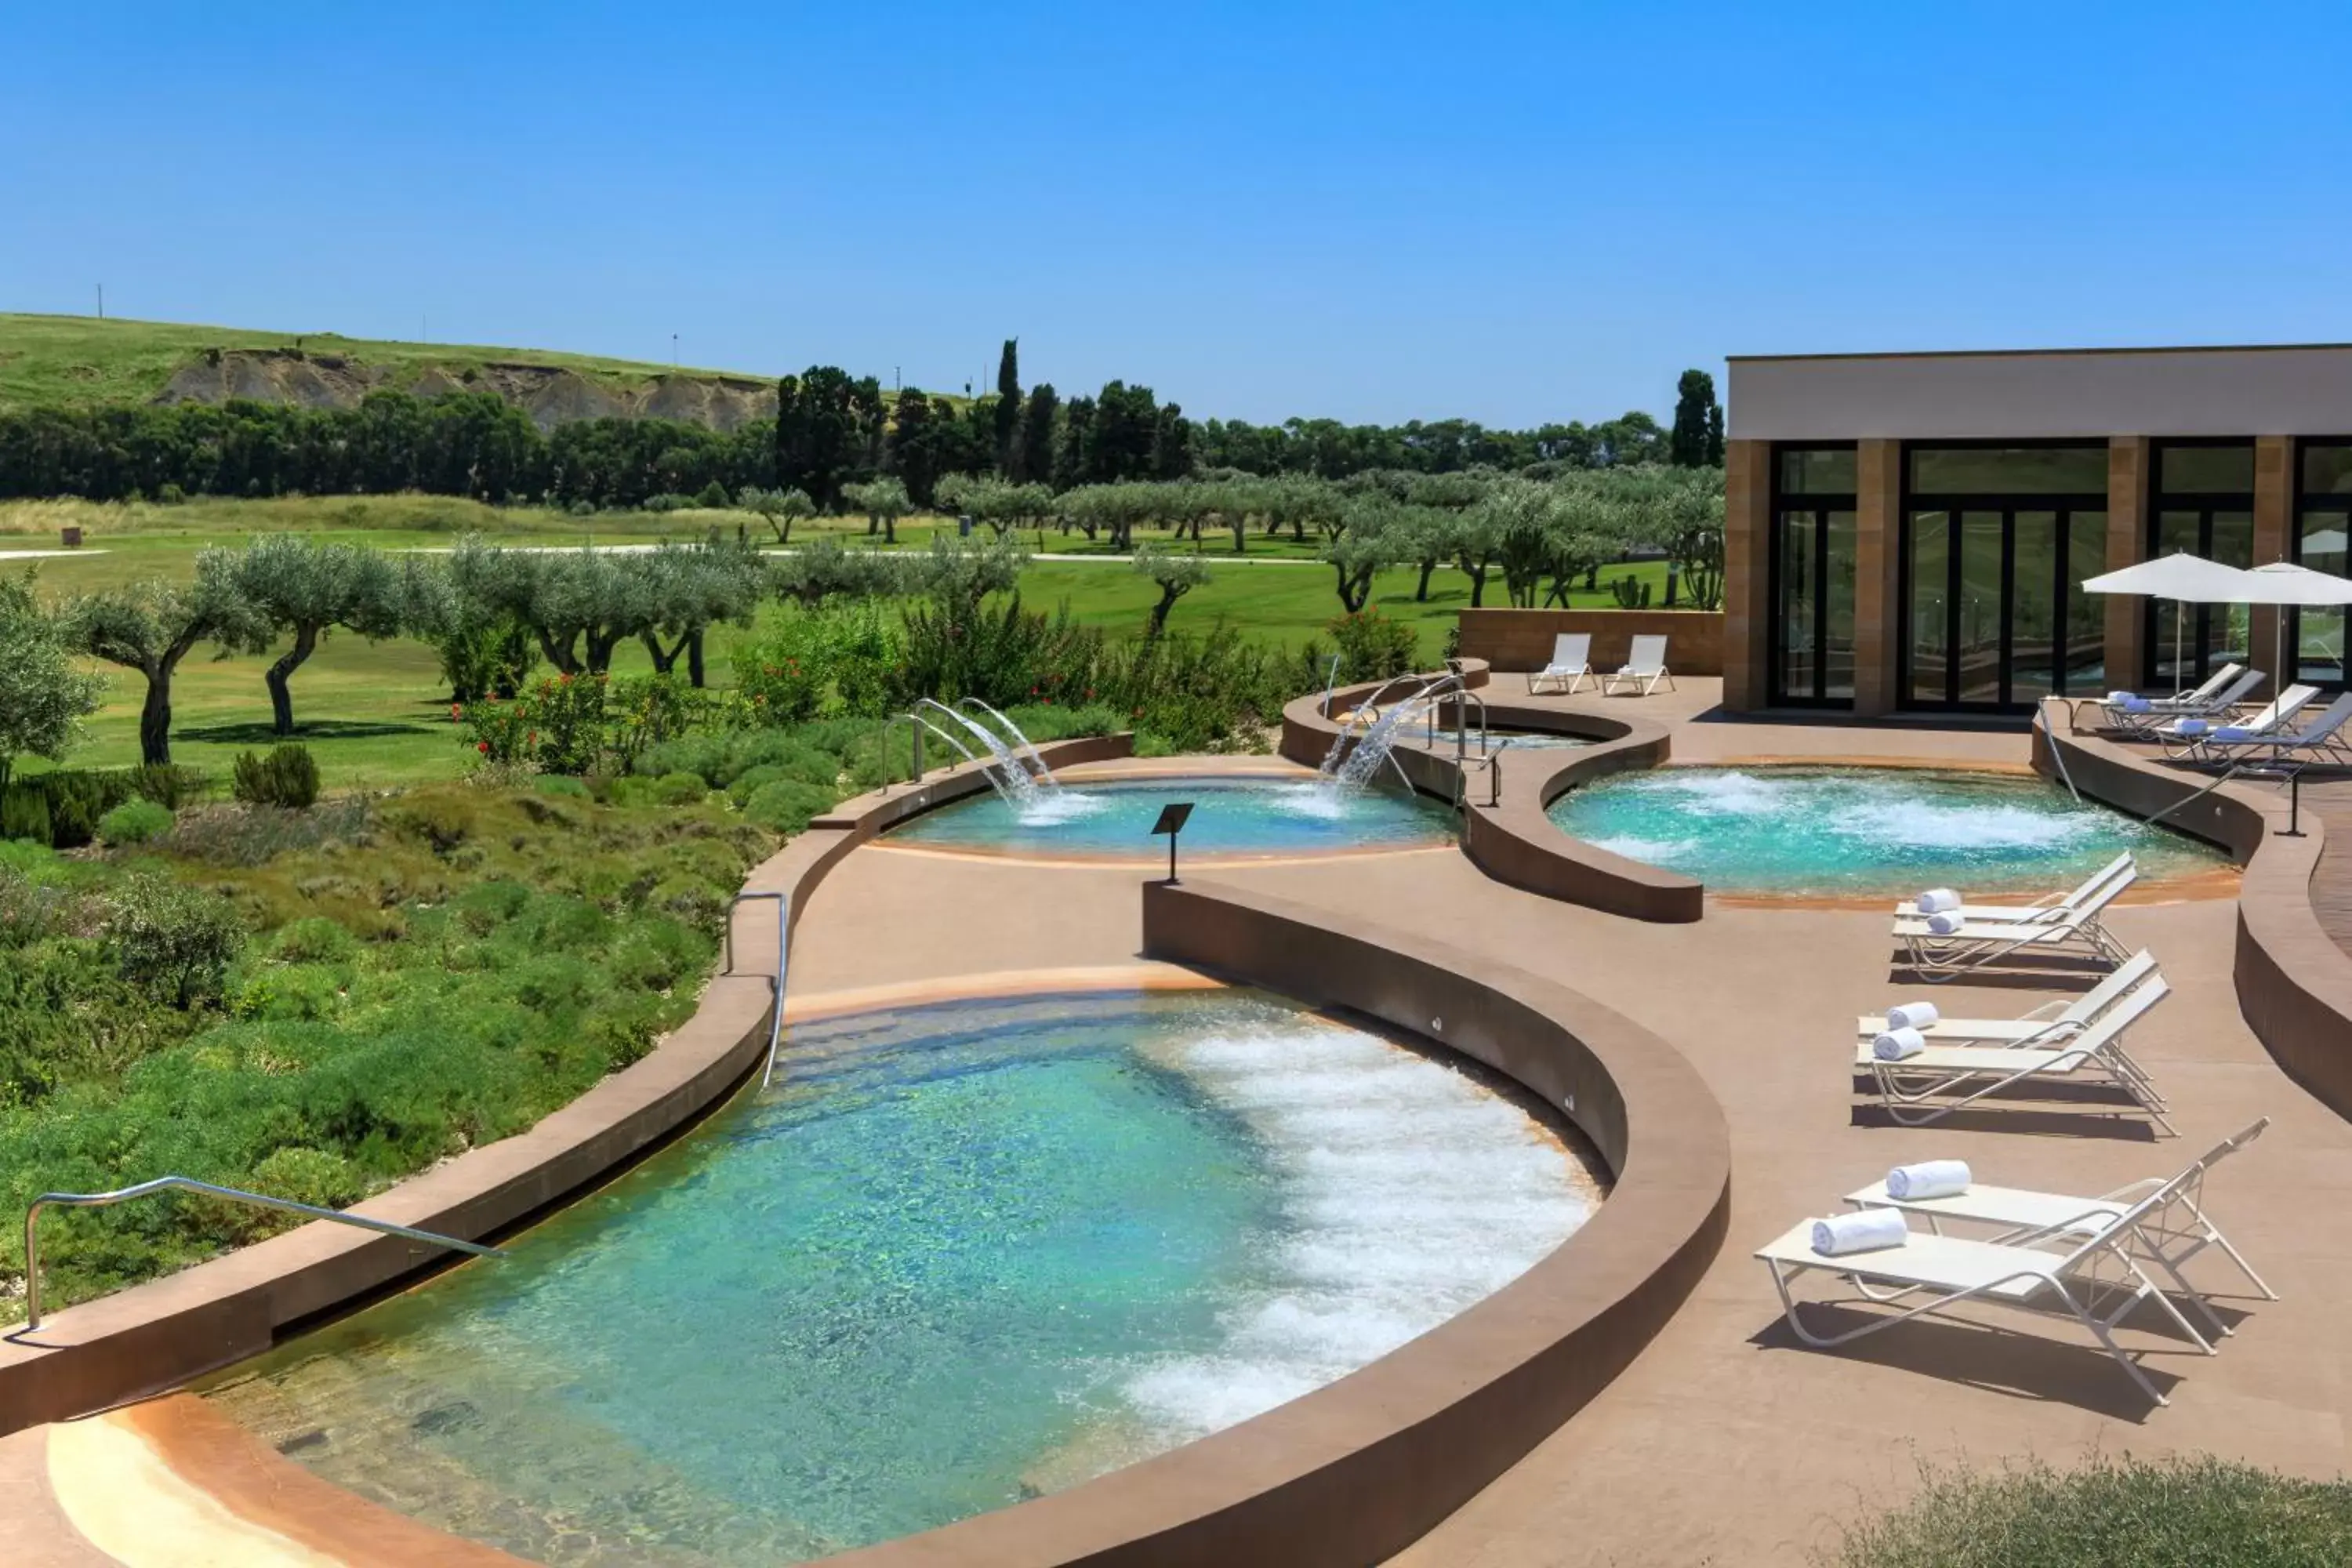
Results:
<point x="1171" y="821"/>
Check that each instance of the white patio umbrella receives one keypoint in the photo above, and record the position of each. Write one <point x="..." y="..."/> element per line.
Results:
<point x="2183" y="578"/>
<point x="2284" y="583"/>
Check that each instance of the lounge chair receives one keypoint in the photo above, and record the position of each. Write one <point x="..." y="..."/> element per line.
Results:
<point x="2320" y="741"/>
<point x="1571" y="661"/>
<point x="2190" y="740"/>
<point x="1950" y="1271"/>
<point x="1931" y="1084"/>
<point x="1645" y="667"/>
<point x="2045" y="1026"/>
<point x="2166" y="1238"/>
<point x="2048" y="906"/>
<point x="2076" y="930"/>
<point x="2224" y="691"/>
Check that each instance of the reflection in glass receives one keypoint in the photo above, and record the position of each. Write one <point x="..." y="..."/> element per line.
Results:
<point x="2227" y="631"/>
<point x="1931" y="554"/>
<point x="2009" y="471"/>
<point x="2087" y="624"/>
<point x="1979" y="651"/>
<point x="2176" y="624"/>
<point x="2326" y="468"/>
<point x="2032" y="607"/>
<point x="1837" y="656"/>
<point x="2319" y="632"/>
<point x="1825" y="472"/>
<point x="2205" y="471"/>
<point x="1798" y="608"/>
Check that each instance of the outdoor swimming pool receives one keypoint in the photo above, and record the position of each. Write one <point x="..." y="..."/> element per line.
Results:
<point x="1233" y="816"/>
<point x="1837" y="832"/>
<point x="966" y="1253"/>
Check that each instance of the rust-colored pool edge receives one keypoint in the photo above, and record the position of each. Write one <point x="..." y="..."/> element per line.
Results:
<point x="161" y="1334"/>
<point x="2294" y="984"/>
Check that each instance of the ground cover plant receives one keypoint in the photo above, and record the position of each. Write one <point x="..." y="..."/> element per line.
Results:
<point x="2185" y="1511"/>
<point x="314" y="1004"/>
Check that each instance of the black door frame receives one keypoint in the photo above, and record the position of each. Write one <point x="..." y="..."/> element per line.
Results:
<point x="2155" y="646"/>
<point x="1818" y="506"/>
<point x="2306" y="501"/>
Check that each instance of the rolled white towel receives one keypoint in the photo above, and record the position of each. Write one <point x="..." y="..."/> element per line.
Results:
<point x="1896" y="1044"/>
<point x="2135" y="703"/>
<point x="1864" y="1231"/>
<point x="2233" y="732"/>
<point x="2189" y="729"/>
<point x="1912" y="1015"/>
<point x="1936" y="900"/>
<point x="1927" y="1179"/>
<point x="2120" y="698"/>
<point x="1943" y="923"/>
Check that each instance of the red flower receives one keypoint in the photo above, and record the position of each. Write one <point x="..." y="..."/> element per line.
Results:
<point x="567" y="679"/>
<point x="457" y="710"/>
<point x="483" y="747"/>
<point x="1090" y="694"/>
<point x="533" y="740"/>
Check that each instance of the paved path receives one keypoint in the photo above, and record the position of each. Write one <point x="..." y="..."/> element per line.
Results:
<point x="1725" y="1441"/>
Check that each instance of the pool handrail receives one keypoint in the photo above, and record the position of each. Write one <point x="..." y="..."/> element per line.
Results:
<point x="783" y="954"/>
<point x="189" y="1183"/>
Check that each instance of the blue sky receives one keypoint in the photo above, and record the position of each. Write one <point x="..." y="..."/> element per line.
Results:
<point x="1512" y="214"/>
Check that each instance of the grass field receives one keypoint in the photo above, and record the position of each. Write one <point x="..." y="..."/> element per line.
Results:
<point x="74" y="360"/>
<point x="376" y="714"/>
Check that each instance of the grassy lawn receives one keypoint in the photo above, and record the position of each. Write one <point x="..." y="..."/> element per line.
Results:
<point x="376" y="714"/>
<point x="74" y="361"/>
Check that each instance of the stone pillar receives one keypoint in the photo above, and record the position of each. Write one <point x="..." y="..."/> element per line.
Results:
<point x="2130" y="478"/>
<point x="1747" y="574"/>
<point x="1878" y="627"/>
<point x="2273" y="516"/>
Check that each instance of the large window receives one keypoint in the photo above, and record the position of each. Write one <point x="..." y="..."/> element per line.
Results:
<point x="1996" y="542"/>
<point x="2322" y="515"/>
<point x="1812" y="570"/>
<point x="2204" y="504"/>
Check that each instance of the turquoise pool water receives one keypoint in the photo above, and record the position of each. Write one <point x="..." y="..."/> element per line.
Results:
<point x="966" y="1253"/>
<point x="1832" y="832"/>
<point x="1231" y="817"/>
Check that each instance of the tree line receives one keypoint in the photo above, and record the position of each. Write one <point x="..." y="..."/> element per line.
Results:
<point x="832" y="431"/>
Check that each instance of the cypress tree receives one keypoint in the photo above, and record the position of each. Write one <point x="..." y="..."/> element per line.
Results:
<point x="1687" y="444"/>
<point x="1037" y="440"/>
<point x="1008" y="407"/>
<point x="1714" y="437"/>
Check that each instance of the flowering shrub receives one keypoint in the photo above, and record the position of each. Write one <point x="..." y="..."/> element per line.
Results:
<point x="556" y="725"/>
<point x="1372" y="646"/>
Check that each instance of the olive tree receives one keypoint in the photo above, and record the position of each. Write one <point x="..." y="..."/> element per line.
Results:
<point x="43" y="696"/>
<point x="691" y="588"/>
<point x="1588" y="523"/>
<point x="292" y="584"/>
<point x="828" y="568"/>
<point x="579" y="603"/>
<point x="1175" y="574"/>
<point x="1368" y="532"/>
<point x="150" y="626"/>
<point x="884" y="501"/>
<point x="780" y="509"/>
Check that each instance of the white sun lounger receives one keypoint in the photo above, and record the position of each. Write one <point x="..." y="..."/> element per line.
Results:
<point x="2319" y="741"/>
<point x="2165" y="1238"/>
<point x="1932" y="1084"/>
<point x="2264" y="723"/>
<point x="1645" y="667"/>
<point x="2077" y="930"/>
<point x="2121" y="866"/>
<point x="1571" y="661"/>
<point x="2223" y="689"/>
<point x="1949" y="1270"/>
<point x="2045" y="1026"/>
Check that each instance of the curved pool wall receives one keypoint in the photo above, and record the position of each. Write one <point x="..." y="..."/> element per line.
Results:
<point x="1832" y="831"/>
<point x="1511" y="840"/>
<point x="161" y="1334"/>
<point x="1109" y="820"/>
<point x="2293" y="981"/>
<point x="968" y="1251"/>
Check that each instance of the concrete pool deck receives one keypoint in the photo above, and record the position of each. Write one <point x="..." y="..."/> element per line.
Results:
<point x="1723" y="1440"/>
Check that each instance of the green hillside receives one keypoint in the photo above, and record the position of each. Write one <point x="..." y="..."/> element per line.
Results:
<point x="75" y="361"/>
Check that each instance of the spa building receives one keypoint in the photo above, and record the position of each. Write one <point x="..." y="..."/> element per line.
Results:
<point x="1909" y="533"/>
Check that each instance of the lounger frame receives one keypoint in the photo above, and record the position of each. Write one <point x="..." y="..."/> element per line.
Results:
<point x="1930" y="1086"/>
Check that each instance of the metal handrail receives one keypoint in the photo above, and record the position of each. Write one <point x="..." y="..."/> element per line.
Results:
<point x="189" y="1183"/>
<point x="783" y="955"/>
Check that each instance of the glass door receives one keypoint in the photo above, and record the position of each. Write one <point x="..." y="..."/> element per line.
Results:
<point x="1812" y="607"/>
<point x="1995" y="607"/>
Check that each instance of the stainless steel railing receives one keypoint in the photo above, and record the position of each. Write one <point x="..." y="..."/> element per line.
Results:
<point x="783" y="955"/>
<point x="189" y="1183"/>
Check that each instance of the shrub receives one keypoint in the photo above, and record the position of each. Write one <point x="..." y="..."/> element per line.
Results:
<point x="173" y="939"/>
<point x="679" y="789"/>
<point x="168" y="784"/>
<point x="25" y="814"/>
<point x="1372" y="646"/>
<point x="310" y="1176"/>
<point x="489" y="660"/>
<point x="314" y="940"/>
<point x="70" y="826"/>
<point x="286" y="776"/>
<point x="133" y="822"/>
<point x="713" y="494"/>
<point x="560" y="784"/>
<point x="785" y="806"/>
<point x="2111" y="1513"/>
